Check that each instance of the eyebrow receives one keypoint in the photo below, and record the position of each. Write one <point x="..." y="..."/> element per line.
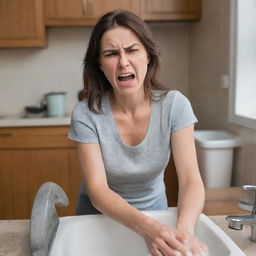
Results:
<point x="126" y="48"/>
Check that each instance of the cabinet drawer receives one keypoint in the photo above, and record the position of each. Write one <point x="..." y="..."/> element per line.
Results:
<point x="39" y="137"/>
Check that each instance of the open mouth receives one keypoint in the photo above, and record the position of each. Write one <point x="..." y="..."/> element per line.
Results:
<point x="126" y="77"/>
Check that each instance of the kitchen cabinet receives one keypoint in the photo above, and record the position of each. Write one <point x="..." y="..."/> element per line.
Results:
<point x="22" y="23"/>
<point x="170" y="10"/>
<point x="30" y="157"/>
<point x="83" y="12"/>
<point x="87" y="12"/>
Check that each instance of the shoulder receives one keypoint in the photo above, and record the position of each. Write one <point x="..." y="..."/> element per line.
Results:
<point x="83" y="126"/>
<point x="81" y="113"/>
<point x="170" y="97"/>
<point x="80" y="110"/>
<point x="175" y="95"/>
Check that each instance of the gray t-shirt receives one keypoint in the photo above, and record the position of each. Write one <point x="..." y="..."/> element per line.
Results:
<point x="135" y="172"/>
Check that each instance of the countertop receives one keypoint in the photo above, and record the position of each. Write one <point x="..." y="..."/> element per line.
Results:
<point x="17" y="121"/>
<point x="224" y="201"/>
<point x="241" y="237"/>
<point x="14" y="237"/>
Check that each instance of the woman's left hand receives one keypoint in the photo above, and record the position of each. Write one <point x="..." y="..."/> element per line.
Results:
<point x="196" y="247"/>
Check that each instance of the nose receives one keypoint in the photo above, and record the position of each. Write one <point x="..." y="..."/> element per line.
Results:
<point x="123" y="60"/>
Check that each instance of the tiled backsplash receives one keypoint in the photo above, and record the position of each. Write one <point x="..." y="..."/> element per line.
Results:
<point x="27" y="74"/>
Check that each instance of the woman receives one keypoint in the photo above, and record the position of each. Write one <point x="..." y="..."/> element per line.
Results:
<point x="126" y="128"/>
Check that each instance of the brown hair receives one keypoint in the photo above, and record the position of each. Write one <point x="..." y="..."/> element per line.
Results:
<point x="95" y="82"/>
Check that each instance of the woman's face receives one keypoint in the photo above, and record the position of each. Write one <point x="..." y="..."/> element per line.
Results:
<point x="124" y="60"/>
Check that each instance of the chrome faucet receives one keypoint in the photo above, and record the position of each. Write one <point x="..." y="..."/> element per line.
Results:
<point x="237" y="222"/>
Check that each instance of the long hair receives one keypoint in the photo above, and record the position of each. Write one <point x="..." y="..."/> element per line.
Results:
<point x="95" y="83"/>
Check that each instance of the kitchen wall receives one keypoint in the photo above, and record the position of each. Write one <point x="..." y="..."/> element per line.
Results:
<point x="209" y="61"/>
<point x="27" y="74"/>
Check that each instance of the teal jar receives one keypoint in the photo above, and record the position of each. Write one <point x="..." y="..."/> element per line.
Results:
<point x="56" y="103"/>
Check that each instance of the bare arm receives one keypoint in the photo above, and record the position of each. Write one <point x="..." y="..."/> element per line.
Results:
<point x="191" y="189"/>
<point x="102" y="197"/>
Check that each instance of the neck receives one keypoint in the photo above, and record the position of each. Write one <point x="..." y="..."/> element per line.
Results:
<point x="129" y="104"/>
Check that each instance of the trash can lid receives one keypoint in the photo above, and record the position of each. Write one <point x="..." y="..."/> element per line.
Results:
<point x="216" y="139"/>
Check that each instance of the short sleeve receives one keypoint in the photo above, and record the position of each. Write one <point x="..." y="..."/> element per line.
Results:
<point x="181" y="114"/>
<point x="82" y="127"/>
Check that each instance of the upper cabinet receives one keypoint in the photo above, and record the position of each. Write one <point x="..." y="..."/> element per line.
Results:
<point x="83" y="12"/>
<point x="170" y="9"/>
<point x="22" y="23"/>
<point x="87" y="12"/>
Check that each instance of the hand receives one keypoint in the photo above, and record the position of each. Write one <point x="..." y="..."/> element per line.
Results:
<point x="194" y="245"/>
<point x="163" y="240"/>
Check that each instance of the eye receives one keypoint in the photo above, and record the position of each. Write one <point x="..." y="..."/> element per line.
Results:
<point x="132" y="50"/>
<point x="109" y="54"/>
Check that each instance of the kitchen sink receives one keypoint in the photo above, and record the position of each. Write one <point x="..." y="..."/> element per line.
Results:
<point x="98" y="235"/>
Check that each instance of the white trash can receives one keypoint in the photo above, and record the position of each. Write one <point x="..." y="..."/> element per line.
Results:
<point x="215" y="156"/>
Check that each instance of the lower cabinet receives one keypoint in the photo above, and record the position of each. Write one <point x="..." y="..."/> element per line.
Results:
<point x="30" y="157"/>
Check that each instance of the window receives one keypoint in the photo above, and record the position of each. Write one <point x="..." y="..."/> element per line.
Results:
<point x="242" y="103"/>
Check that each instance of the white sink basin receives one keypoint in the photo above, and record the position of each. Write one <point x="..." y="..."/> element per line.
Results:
<point x="98" y="235"/>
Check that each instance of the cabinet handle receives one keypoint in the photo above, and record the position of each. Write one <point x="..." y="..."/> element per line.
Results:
<point x="85" y="7"/>
<point x="6" y="134"/>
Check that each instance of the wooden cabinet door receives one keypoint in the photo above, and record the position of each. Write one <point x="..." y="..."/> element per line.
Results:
<point x="22" y="23"/>
<point x="70" y="12"/>
<point x="23" y="171"/>
<point x="30" y="157"/>
<point x="171" y="9"/>
<point x="83" y="12"/>
<point x="111" y="5"/>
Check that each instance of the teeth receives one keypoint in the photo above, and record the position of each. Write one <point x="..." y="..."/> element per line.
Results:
<point x="125" y="75"/>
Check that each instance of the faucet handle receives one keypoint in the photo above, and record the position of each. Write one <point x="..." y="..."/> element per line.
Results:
<point x="253" y="189"/>
<point x="249" y="187"/>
